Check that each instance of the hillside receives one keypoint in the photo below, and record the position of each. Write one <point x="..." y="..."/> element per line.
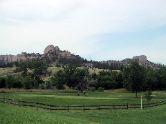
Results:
<point x="56" y="57"/>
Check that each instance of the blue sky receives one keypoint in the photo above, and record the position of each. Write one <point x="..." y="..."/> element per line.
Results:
<point x="94" y="29"/>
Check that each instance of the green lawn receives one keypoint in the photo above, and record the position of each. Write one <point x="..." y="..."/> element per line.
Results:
<point x="91" y="98"/>
<point x="10" y="114"/>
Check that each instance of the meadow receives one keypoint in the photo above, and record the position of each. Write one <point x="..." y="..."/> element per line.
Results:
<point x="56" y="97"/>
<point x="10" y="114"/>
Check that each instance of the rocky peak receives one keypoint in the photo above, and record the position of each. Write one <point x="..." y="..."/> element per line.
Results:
<point x="51" y="49"/>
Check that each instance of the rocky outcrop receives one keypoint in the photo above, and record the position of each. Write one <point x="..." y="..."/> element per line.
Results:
<point x="49" y="52"/>
<point x="50" y="49"/>
<point x="7" y="59"/>
<point x="53" y="53"/>
<point x="142" y="60"/>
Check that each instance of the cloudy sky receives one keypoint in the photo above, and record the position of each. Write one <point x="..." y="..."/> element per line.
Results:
<point x="94" y="29"/>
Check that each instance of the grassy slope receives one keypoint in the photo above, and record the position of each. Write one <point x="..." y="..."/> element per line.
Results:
<point x="7" y="71"/>
<point x="54" y="70"/>
<point x="18" y="115"/>
<point x="51" y="70"/>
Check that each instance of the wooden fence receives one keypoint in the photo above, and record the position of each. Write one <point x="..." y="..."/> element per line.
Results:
<point x="77" y="107"/>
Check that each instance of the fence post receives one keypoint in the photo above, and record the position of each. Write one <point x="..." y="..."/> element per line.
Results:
<point x="127" y="106"/>
<point x="141" y="103"/>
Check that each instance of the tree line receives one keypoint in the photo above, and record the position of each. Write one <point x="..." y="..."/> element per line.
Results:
<point x="133" y="77"/>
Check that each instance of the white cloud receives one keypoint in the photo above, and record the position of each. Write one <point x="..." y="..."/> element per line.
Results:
<point x="30" y="25"/>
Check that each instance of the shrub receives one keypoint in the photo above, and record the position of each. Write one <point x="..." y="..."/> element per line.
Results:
<point x="2" y="83"/>
<point x="100" y="89"/>
<point x="49" y="85"/>
<point x="148" y="96"/>
<point x="92" y="89"/>
<point x="42" y="86"/>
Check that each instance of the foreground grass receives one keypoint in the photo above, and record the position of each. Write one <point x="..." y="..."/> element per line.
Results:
<point x="19" y="115"/>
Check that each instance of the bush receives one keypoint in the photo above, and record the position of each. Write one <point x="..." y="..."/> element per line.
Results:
<point x="93" y="83"/>
<point x="148" y="96"/>
<point x="27" y="82"/>
<point x="100" y="89"/>
<point x="42" y="86"/>
<point x="49" y="85"/>
<point x="9" y="81"/>
<point x="92" y="89"/>
<point x="2" y="83"/>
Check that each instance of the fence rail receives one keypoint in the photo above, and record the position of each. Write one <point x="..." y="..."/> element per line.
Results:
<point x="77" y="107"/>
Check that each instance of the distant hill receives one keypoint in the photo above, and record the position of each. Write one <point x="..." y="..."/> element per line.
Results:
<point x="56" y="57"/>
<point x="142" y="60"/>
<point x="52" y="54"/>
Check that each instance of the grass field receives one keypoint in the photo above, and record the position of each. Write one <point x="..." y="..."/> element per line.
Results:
<point x="91" y="98"/>
<point x="18" y="115"/>
<point x="10" y="114"/>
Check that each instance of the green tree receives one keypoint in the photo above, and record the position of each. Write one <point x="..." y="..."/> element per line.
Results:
<point x="38" y="66"/>
<point x="49" y="85"/>
<point x="161" y="76"/>
<point x="150" y="79"/>
<point x="106" y="80"/>
<point x="2" y="82"/>
<point x="118" y="78"/>
<point x="134" y="76"/>
<point x="148" y="96"/>
<point x="27" y="82"/>
<point x="70" y="78"/>
<point x="9" y="81"/>
<point x="17" y="82"/>
<point x="81" y="76"/>
<point x="59" y="79"/>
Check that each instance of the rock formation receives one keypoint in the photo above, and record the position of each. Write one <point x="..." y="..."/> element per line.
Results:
<point x="50" y="52"/>
<point x="142" y="60"/>
<point x="53" y="53"/>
